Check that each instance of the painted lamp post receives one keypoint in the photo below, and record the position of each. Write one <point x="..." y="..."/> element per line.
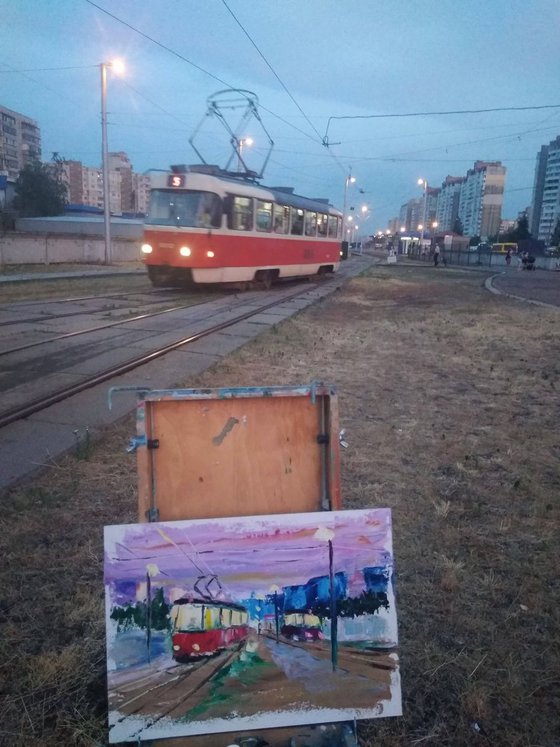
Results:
<point x="274" y="590"/>
<point x="324" y="534"/>
<point x="151" y="571"/>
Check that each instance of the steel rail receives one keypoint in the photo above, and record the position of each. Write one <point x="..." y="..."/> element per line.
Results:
<point x="33" y="302"/>
<point x="131" y="319"/>
<point x="86" y="312"/>
<point x="19" y="413"/>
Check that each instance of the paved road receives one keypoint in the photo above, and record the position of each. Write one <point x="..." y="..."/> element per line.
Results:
<point x="539" y="286"/>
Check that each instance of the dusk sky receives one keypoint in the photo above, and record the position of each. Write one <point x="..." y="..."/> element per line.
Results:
<point x="248" y="555"/>
<point x="337" y="59"/>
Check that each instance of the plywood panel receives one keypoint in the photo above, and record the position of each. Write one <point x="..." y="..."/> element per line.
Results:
<point x="235" y="456"/>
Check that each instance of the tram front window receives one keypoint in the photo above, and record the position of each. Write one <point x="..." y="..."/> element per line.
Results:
<point x="184" y="209"/>
<point x="187" y="617"/>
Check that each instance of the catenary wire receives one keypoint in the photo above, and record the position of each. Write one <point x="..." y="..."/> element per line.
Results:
<point x="193" y="64"/>
<point x="272" y="70"/>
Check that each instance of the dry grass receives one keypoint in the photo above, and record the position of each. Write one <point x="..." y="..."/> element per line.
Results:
<point x="449" y="398"/>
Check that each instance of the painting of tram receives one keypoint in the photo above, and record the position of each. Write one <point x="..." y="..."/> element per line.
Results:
<point x="200" y="627"/>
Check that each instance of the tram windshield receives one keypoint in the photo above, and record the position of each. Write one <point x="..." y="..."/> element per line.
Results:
<point x="184" y="209"/>
<point x="187" y="617"/>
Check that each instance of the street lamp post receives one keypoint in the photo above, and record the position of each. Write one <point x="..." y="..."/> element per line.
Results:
<point x="423" y="183"/>
<point x="349" y="180"/>
<point x="105" y="164"/>
<point x="117" y="65"/>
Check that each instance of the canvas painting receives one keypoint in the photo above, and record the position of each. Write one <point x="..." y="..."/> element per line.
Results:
<point x="256" y="622"/>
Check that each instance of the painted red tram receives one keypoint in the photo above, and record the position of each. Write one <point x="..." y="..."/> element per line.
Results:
<point x="207" y="226"/>
<point x="201" y="627"/>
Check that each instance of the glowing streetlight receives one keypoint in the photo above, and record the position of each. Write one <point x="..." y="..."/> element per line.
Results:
<point x="241" y="142"/>
<point x="118" y="67"/>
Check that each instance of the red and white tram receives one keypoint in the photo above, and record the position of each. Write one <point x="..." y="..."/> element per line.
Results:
<point x="207" y="226"/>
<point x="201" y="627"/>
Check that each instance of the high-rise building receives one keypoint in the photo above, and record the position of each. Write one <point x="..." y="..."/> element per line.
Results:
<point x="20" y="142"/>
<point x="128" y="192"/>
<point x="448" y="202"/>
<point x="545" y="208"/>
<point x="411" y="213"/>
<point x="481" y="199"/>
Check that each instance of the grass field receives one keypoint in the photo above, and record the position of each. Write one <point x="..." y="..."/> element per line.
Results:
<point x="449" y="397"/>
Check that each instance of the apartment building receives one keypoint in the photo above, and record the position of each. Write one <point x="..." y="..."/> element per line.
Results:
<point x="447" y="210"/>
<point x="481" y="199"/>
<point x="410" y="215"/>
<point x="20" y="142"/>
<point x="545" y="208"/>
<point x="128" y="192"/>
<point x="475" y="199"/>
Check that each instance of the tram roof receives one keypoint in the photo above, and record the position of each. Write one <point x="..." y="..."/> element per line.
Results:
<point x="211" y="603"/>
<point x="282" y="195"/>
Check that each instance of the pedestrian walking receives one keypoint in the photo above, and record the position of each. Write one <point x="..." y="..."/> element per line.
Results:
<point x="436" y="255"/>
<point x="508" y="257"/>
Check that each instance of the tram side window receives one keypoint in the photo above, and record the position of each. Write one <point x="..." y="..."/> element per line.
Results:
<point x="310" y="223"/>
<point x="297" y="222"/>
<point x="321" y="224"/>
<point x="242" y="214"/>
<point x="264" y="216"/>
<point x="281" y="219"/>
<point x="333" y="226"/>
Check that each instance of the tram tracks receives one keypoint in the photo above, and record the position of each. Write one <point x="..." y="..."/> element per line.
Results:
<point x="40" y="403"/>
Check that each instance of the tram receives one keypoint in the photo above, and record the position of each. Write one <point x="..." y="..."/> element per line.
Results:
<point x="201" y="627"/>
<point x="300" y="626"/>
<point x="206" y="225"/>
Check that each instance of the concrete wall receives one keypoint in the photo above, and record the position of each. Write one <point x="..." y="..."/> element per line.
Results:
<point x="20" y="248"/>
<point x="81" y="225"/>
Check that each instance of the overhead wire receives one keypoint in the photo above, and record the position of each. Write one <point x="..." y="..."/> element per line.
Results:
<point x="190" y="62"/>
<point x="439" y="113"/>
<point x="272" y="70"/>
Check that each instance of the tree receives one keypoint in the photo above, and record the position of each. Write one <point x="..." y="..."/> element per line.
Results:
<point x="521" y="231"/>
<point x="38" y="192"/>
<point x="458" y="227"/>
<point x="555" y="238"/>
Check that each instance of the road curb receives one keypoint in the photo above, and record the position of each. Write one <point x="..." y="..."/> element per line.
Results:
<point x="490" y="287"/>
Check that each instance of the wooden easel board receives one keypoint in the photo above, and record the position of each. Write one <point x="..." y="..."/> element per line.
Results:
<point x="218" y="453"/>
<point x="234" y="452"/>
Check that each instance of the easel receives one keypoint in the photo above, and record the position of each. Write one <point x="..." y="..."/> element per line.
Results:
<point x="210" y="453"/>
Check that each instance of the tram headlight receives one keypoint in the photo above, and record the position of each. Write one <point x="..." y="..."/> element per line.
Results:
<point x="195" y="647"/>
<point x="147" y="248"/>
<point x="176" y="648"/>
<point x="184" y="251"/>
<point x="210" y="254"/>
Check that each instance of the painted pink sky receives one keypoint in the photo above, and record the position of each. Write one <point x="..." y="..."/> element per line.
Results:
<point x="248" y="554"/>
